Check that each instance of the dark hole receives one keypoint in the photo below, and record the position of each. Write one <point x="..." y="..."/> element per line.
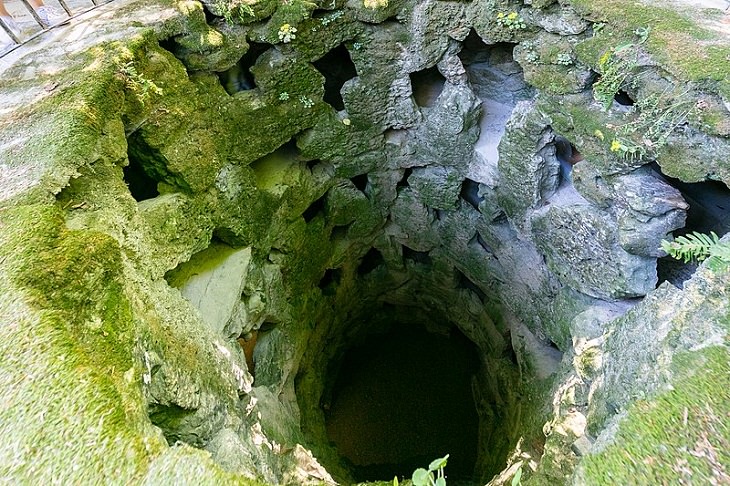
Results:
<point x="360" y="181"/>
<point x="403" y="182"/>
<point x="311" y="164"/>
<point x="404" y="398"/>
<point x="709" y="210"/>
<point x="329" y="282"/>
<point x="239" y="77"/>
<point x="623" y="98"/>
<point x="463" y="282"/>
<point x="141" y="185"/>
<point x="427" y="86"/>
<point x="169" y="44"/>
<point x="470" y="193"/>
<point x="421" y="257"/>
<point x="568" y="156"/>
<point x="511" y="352"/>
<point x="209" y="17"/>
<point x="337" y="68"/>
<point x="171" y="419"/>
<point x="372" y="260"/>
<point x="314" y="209"/>
<point x="267" y="326"/>
<point x="474" y="51"/>
<point x="438" y="214"/>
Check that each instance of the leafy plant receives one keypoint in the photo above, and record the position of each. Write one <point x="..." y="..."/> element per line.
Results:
<point x="651" y="121"/>
<point x="137" y="83"/>
<point x="233" y="10"/>
<point x="698" y="246"/>
<point x="615" y="65"/>
<point x="287" y="33"/>
<point x="512" y="20"/>
<point x="564" y="59"/>
<point x="517" y="478"/>
<point x="423" y="477"/>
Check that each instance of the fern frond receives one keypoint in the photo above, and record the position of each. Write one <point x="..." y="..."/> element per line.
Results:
<point x="697" y="246"/>
<point x="721" y="251"/>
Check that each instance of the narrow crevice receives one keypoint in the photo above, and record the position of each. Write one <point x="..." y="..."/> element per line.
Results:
<point x="315" y="209"/>
<point x="360" y="181"/>
<point x="419" y="257"/>
<point x="403" y="182"/>
<point x="470" y="193"/>
<point x="247" y="342"/>
<point x="568" y="156"/>
<point x="330" y="280"/>
<point x="478" y="242"/>
<point x="463" y="282"/>
<point x="141" y="185"/>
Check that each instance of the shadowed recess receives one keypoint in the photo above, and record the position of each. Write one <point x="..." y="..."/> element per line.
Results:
<point x="404" y="398"/>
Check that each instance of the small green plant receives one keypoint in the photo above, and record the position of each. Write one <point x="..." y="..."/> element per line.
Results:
<point x="287" y="33"/>
<point x="283" y="96"/>
<point x="642" y="33"/>
<point x="137" y="83"/>
<point x="306" y="101"/>
<point x="564" y="59"/>
<point x="698" y="246"/>
<point x="517" y="478"/>
<point x="233" y="10"/>
<point x="615" y="65"/>
<point x="423" y="477"/>
<point x="512" y="21"/>
<point x="650" y="123"/>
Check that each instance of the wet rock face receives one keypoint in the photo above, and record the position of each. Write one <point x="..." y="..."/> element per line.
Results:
<point x="278" y="202"/>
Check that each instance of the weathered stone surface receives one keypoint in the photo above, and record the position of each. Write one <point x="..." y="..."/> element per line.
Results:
<point x="437" y="187"/>
<point x="530" y="170"/>
<point x="648" y="210"/>
<point x="583" y="250"/>
<point x="139" y="369"/>
<point x="213" y="281"/>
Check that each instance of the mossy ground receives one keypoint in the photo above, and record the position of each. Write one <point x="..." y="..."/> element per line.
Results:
<point x="680" y="437"/>
<point x="680" y="40"/>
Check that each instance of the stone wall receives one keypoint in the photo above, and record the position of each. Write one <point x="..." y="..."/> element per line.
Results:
<point x="201" y="216"/>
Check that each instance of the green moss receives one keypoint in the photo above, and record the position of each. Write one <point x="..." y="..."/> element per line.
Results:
<point x="72" y="345"/>
<point x="678" y="39"/>
<point x="681" y="435"/>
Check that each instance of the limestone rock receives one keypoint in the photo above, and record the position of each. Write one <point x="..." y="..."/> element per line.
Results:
<point x="529" y="170"/>
<point x="582" y="249"/>
<point x="437" y="187"/>
<point x="648" y="211"/>
<point x="213" y="281"/>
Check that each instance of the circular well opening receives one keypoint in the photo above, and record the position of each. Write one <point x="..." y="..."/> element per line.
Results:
<point x="402" y="399"/>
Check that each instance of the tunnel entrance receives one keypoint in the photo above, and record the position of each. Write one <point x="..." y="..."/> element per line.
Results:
<point x="404" y="398"/>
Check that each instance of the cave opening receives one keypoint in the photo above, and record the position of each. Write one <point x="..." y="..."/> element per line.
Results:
<point x="709" y="211"/>
<point x="337" y="68"/>
<point x="239" y="77"/>
<point x="427" y="85"/>
<point x="141" y="185"/>
<point x="403" y="398"/>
